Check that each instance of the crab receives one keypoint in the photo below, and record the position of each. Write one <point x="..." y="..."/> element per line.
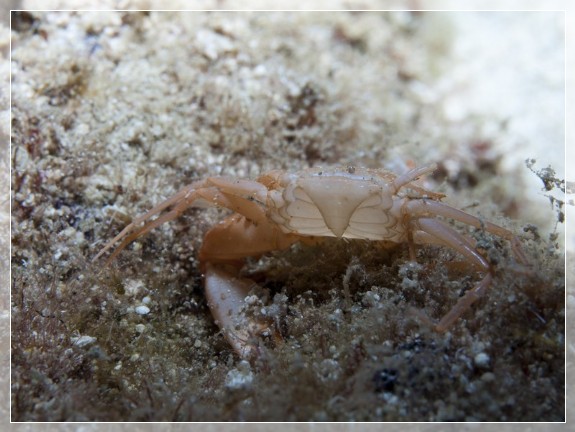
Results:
<point x="281" y="208"/>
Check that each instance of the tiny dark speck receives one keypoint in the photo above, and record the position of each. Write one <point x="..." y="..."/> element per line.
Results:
<point x="385" y="379"/>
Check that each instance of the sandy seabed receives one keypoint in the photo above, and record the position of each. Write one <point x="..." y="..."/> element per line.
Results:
<point x="112" y="112"/>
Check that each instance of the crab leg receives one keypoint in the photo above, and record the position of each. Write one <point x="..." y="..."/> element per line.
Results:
<point x="420" y="208"/>
<point x="432" y="231"/>
<point x="202" y="193"/>
<point x="436" y="232"/>
<point x="413" y="174"/>
<point x="181" y="201"/>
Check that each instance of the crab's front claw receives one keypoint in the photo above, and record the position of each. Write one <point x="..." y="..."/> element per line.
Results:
<point x="226" y="292"/>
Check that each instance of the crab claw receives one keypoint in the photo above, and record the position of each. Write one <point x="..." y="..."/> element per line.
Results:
<point x="226" y="293"/>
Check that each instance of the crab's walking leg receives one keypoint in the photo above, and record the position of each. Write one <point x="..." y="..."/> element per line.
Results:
<point x="427" y="230"/>
<point x="421" y="208"/>
<point x="198" y="194"/>
<point x="436" y="232"/>
<point x="182" y="200"/>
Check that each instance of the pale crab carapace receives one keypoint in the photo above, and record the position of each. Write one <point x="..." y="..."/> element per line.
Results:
<point x="280" y="208"/>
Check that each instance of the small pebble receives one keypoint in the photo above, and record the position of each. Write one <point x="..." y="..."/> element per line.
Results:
<point x="481" y="360"/>
<point x="83" y="340"/>
<point x="142" y="310"/>
<point x="488" y="377"/>
<point x="251" y="300"/>
<point x="240" y="378"/>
